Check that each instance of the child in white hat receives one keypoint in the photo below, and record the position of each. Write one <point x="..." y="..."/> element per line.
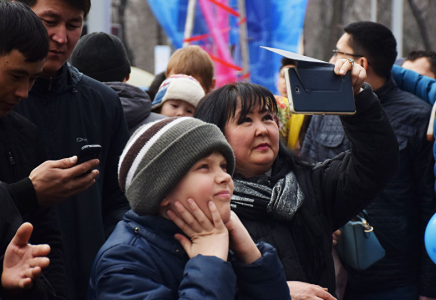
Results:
<point x="178" y="96"/>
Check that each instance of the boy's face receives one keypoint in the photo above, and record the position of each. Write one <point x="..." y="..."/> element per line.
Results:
<point x="206" y="181"/>
<point x="177" y="108"/>
<point x="64" y="26"/>
<point x="17" y="77"/>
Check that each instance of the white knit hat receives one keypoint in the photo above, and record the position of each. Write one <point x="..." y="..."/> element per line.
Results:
<point x="179" y="87"/>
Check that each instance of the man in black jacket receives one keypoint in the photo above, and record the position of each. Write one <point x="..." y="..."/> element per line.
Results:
<point x="26" y="181"/>
<point x="72" y="110"/>
<point x="399" y="214"/>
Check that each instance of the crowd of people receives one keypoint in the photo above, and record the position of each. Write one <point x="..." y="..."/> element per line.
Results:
<point x="202" y="192"/>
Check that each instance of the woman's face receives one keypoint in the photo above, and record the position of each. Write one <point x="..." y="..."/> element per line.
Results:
<point x="255" y="141"/>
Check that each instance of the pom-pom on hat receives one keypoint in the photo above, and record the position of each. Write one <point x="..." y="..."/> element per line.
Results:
<point x="179" y="87"/>
<point x="159" y="154"/>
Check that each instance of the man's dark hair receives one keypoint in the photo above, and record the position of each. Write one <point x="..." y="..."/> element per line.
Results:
<point x="429" y="55"/>
<point x="83" y="5"/>
<point x="22" y="30"/>
<point x="376" y="42"/>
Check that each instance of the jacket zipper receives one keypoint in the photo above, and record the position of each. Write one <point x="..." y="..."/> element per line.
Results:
<point x="50" y="82"/>
<point x="12" y="161"/>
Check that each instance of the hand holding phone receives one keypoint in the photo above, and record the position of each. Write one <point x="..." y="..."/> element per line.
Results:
<point x="88" y="152"/>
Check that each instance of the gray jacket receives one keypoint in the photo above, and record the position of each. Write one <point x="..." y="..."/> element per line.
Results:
<point x="136" y="105"/>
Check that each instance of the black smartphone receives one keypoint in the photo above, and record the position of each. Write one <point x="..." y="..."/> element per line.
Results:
<point x="88" y="152"/>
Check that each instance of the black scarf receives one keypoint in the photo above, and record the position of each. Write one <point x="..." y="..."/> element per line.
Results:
<point x="279" y="202"/>
<point x="279" y="197"/>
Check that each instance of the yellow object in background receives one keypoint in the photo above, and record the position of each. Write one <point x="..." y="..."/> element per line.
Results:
<point x="290" y="124"/>
<point x="294" y="123"/>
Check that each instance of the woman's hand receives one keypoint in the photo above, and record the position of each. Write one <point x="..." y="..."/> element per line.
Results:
<point x="206" y="238"/>
<point x="240" y="241"/>
<point x="358" y="74"/>
<point x="306" y="291"/>
<point x="23" y="262"/>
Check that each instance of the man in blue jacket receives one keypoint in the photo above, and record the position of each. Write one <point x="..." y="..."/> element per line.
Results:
<point x="402" y="210"/>
<point x="72" y="110"/>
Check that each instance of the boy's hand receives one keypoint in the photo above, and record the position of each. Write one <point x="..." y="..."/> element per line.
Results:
<point x="240" y="241"/>
<point x="207" y="238"/>
<point x="23" y="262"/>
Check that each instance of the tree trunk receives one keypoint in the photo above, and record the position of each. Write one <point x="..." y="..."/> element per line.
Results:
<point x="336" y="28"/>
<point x="121" y="11"/>
<point x="421" y="24"/>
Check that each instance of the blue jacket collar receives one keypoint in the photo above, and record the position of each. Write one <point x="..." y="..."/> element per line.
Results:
<point x="156" y="230"/>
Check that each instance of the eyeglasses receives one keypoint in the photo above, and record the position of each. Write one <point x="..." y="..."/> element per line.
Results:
<point x="336" y="52"/>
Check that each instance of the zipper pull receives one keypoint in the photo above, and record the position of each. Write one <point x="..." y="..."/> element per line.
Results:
<point x="11" y="159"/>
<point x="50" y="82"/>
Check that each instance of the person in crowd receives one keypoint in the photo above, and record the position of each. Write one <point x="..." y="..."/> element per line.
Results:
<point x="422" y="62"/>
<point x="22" y="264"/>
<point x="72" y="110"/>
<point x="281" y="82"/>
<point x="293" y="127"/>
<point x="292" y="204"/>
<point x="102" y="56"/>
<point x="178" y="96"/>
<point x="155" y="84"/>
<point x="174" y="242"/>
<point x="422" y="86"/>
<point x="399" y="213"/>
<point x="28" y="185"/>
<point x="195" y="62"/>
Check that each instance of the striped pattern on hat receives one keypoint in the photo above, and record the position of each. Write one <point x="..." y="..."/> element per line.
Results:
<point x="179" y="87"/>
<point x="159" y="154"/>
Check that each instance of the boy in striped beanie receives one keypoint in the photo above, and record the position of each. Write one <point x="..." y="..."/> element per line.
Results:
<point x="174" y="242"/>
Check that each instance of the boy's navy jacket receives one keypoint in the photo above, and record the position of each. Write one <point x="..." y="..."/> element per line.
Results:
<point x="142" y="260"/>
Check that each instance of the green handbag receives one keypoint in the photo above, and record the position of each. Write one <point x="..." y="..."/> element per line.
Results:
<point x="358" y="247"/>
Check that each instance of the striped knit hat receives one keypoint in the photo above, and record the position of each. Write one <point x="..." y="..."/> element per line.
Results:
<point x="159" y="154"/>
<point x="179" y="87"/>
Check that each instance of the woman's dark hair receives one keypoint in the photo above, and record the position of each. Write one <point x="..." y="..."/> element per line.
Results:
<point x="220" y="106"/>
<point x="22" y="30"/>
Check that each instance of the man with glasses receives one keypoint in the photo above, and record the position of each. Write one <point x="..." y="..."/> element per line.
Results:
<point x="402" y="210"/>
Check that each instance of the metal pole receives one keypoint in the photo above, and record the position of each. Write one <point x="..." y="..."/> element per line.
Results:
<point x="397" y="24"/>
<point x="243" y="39"/>
<point x="99" y="17"/>
<point x="374" y="10"/>
<point x="189" y="24"/>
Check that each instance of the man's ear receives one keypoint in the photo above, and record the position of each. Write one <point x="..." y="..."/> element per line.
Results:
<point x="363" y="61"/>
<point x="126" y="78"/>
